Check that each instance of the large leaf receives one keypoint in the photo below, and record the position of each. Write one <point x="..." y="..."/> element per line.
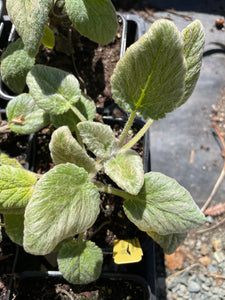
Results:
<point x="29" y="18"/>
<point x="6" y="160"/>
<point x="169" y="242"/>
<point x="64" y="203"/>
<point x="126" y="170"/>
<point x="80" y="262"/>
<point x="163" y="207"/>
<point x="98" y="137"/>
<point x="95" y="19"/>
<point x="25" y="116"/>
<point x="150" y="76"/>
<point x="84" y="105"/>
<point x="194" y="40"/>
<point x="65" y="148"/>
<point x="16" y="188"/>
<point x="53" y="90"/>
<point x="14" y="225"/>
<point x="15" y="64"/>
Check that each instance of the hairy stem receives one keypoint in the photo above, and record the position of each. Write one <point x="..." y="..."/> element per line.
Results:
<point x="78" y="113"/>
<point x="139" y="135"/>
<point x="127" y="128"/>
<point x="111" y="190"/>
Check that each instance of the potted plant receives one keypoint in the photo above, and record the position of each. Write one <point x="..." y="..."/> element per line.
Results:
<point x="156" y="75"/>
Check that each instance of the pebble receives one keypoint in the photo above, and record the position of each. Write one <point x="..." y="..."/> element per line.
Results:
<point x="193" y="286"/>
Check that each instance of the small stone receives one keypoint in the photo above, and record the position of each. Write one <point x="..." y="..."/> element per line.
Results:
<point x="219" y="256"/>
<point x="205" y="260"/>
<point x="193" y="287"/>
<point x="212" y="269"/>
<point x="204" y="249"/>
<point x="205" y="287"/>
<point x="202" y="277"/>
<point x="208" y="282"/>
<point x="217" y="245"/>
<point x="209" y="219"/>
<point x="171" y="282"/>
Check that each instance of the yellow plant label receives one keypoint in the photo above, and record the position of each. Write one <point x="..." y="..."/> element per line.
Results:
<point x="127" y="251"/>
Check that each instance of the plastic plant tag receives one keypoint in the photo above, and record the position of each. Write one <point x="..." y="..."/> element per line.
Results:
<point x="127" y="251"/>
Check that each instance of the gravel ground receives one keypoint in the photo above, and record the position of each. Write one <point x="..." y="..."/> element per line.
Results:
<point x="197" y="269"/>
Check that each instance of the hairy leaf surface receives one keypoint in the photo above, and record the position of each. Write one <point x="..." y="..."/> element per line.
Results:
<point x="194" y="40"/>
<point x="15" y="64"/>
<point x="64" y="203"/>
<point x="168" y="242"/>
<point x="29" y="18"/>
<point x="25" y="116"/>
<point x="98" y="137"/>
<point x="150" y="76"/>
<point x="84" y="105"/>
<point x="163" y="207"/>
<point x="80" y="262"/>
<point x="126" y="170"/>
<point x="53" y="89"/>
<point x="14" y="225"/>
<point x="65" y="148"/>
<point x="6" y="160"/>
<point x="16" y="189"/>
<point x="95" y="19"/>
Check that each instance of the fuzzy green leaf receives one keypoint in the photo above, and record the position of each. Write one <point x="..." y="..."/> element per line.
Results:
<point x="169" y="242"/>
<point x="163" y="207"/>
<point x="150" y="76"/>
<point x="29" y="18"/>
<point x="64" y="203"/>
<point x="65" y="148"/>
<point x="95" y="19"/>
<point x="48" y="39"/>
<point x="15" y="64"/>
<point x="16" y="188"/>
<point x="53" y="89"/>
<point x="84" y="105"/>
<point x="98" y="137"/>
<point x="126" y="170"/>
<point x="33" y="117"/>
<point x="14" y="225"/>
<point x="6" y="160"/>
<point x="80" y="262"/>
<point x="194" y="40"/>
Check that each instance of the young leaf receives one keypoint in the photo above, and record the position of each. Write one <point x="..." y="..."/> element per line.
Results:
<point x="194" y="40"/>
<point x="48" y="39"/>
<point x="25" y="116"/>
<point x="64" y="203"/>
<point x="15" y="64"/>
<point x="16" y="188"/>
<point x="168" y="242"/>
<point x="14" y="225"/>
<point x="126" y="170"/>
<point x="163" y="207"/>
<point x="150" y="76"/>
<point x="53" y="89"/>
<point x="65" y="148"/>
<point x="84" y="105"/>
<point x="80" y="262"/>
<point x="98" y="137"/>
<point x="29" y="18"/>
<point x="6" y="160"/>
<point x="95" y="19"/>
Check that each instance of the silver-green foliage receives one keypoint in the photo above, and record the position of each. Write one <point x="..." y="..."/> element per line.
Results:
<point x="96" y="20"/>
<point x="157" y="74"/>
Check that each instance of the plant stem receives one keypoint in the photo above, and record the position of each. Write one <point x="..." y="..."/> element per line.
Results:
<point x="111" y="190"/>
<point x="127" y="128"/>
<point x="139" y="135"/>
<point x="78" y="113"/>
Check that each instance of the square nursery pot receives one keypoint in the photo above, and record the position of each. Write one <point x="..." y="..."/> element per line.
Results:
<point x="140" y="277"/>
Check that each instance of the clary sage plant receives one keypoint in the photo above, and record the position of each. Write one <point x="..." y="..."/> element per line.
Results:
<point x="94" y="19"/>
<point x="43" y="213"/>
